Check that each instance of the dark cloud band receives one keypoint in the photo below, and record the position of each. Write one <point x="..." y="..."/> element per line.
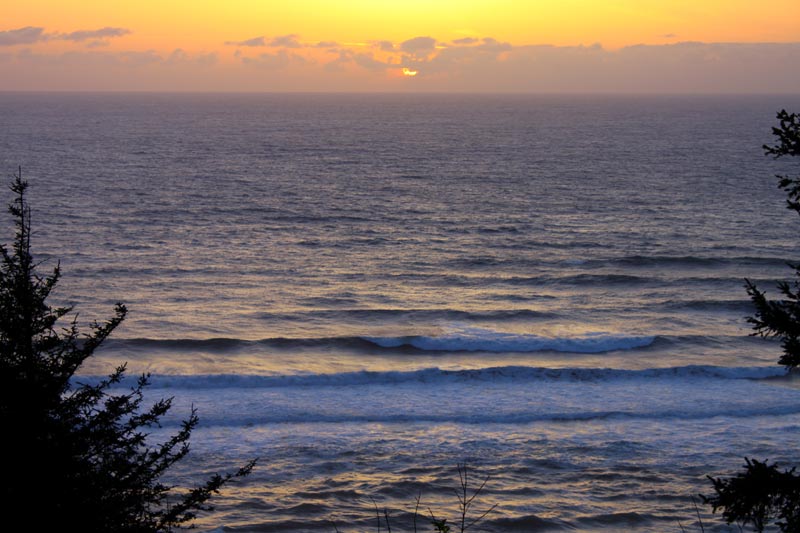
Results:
<point x="85" y="35"/>
<point x="32" y="34"/>
<point x="27" y="35"/>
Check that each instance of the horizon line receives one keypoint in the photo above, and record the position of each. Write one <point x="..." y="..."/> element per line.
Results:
<point x="396" y="93"/>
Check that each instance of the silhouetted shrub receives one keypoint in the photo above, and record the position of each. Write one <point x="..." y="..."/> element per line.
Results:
<point x="77" y="456"/>
<point x="759" y="495"/>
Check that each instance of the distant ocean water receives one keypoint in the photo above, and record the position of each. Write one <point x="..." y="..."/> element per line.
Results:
<point x="365" y="290"/>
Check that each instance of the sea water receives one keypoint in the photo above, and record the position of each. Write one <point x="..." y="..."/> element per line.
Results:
<point x="365" y="291"/>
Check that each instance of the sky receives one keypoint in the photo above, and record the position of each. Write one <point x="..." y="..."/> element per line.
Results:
<point x="514" y="46"/>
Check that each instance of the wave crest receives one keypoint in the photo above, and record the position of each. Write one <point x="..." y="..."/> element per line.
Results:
<point x="484" y="340"/>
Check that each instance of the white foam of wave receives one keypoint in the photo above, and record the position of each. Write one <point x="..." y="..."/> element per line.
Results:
<point x="472" y="339"/>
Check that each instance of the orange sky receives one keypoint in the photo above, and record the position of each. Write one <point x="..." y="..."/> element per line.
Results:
<point x="367" y="43"/>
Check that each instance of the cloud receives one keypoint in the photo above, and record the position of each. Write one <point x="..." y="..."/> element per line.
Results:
<point x="26" y="35"/>
<point x="338" y="65"/>
<point x="282" y="41"/>
<point x="85" y="59"/>
<point x="177" y="56"/>
<point x="85" y="35"/>
<point x="490" y="44"/>
<point x="138" y="59"/>
<point x="476" y="55"/>
<point x="206" y="60"/>
<point x="279" y="60"/>
<point x="370" y="63"/>
<point x="255" y="41"/>
<point x="466" y="65"/>
<point x="419" y="46"/>
<point x="108" y="70"/>
<point x="364" y="60"/>
<point x="673" y="68"/>
<point x="286" y="41"/>
<point x="31" y="35"/>
<point x="180" y="56"/>
<point x="78" y="59"/>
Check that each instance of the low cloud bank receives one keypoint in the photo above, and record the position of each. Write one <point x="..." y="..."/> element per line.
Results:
<point x="471" y="64"/>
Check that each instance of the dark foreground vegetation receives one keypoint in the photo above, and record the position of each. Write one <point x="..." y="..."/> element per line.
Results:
<point x="764" y="493"/>
<point x="77" y="457"/>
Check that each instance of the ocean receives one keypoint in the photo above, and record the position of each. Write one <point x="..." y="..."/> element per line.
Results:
<point x="366" y="291"/>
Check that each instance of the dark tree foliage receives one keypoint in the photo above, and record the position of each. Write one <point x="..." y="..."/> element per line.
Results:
<point x="763" y="493"/>
<point x="759" y="495"/>
<point x="781" y="318"/>
<point x="77" y="456"/>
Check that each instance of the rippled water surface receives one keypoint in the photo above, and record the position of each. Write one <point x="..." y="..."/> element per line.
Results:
<point x="365" y="291"/>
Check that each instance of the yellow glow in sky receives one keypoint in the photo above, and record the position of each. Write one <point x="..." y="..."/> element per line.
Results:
<point x="207" y="24"/>
<point x="386" y="45"/>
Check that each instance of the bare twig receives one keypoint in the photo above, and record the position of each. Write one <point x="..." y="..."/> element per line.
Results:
<point x="481" y="517"/>
<point x="462" y="498"/>
<point x="386" y="516"/>
<point x="697" y="511"/>
<point x="416" y="510"/>
<point x="440" y="524"/>
<point x="377" y="513"/>
<point x="465" y="500"/>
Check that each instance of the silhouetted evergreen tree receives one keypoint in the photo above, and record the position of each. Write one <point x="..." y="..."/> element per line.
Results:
<point x="781" y="318"/>
<point x="76" y="456"/>
<point x="762" y="493"/>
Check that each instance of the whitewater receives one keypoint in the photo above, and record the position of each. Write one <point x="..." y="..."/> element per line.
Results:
<point x="366" y="290"/>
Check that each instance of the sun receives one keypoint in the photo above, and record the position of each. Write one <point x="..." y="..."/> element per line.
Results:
<point x="408" y="72"/>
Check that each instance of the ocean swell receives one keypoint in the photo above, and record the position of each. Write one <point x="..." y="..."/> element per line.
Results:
<point x="510" y="374"/>
<point x="454" y="338"/>
<point x="483" y="340"/>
